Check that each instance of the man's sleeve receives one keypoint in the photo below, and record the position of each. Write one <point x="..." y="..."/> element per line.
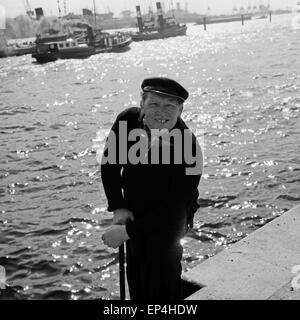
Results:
<point x="171" y="217"/>
<point x="111" y="170"/>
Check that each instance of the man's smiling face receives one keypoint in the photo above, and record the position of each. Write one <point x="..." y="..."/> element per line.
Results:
<point x="160" y="111"/>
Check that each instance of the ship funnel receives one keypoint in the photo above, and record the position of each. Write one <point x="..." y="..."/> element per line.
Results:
<point x="91" y="36"/>
<point x="139" y="18"/>
<point x="160" y="17"/>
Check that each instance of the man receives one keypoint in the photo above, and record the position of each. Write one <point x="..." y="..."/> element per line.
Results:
<point x="153" y="201"/>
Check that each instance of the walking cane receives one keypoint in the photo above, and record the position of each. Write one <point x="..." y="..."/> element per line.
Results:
<point x="122" y="272"/>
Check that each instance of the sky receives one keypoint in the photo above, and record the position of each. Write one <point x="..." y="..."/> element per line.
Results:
<point x="16" y="7"/>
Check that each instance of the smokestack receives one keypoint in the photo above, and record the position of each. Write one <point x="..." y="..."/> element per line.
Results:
<point x="91" y="36"/>
<point x="139" y="18"/>
<point x="39" y="13"/>
<point x="160" y="17"/>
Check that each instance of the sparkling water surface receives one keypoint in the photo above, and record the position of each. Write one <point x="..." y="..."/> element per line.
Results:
<point x="244" y="85"/>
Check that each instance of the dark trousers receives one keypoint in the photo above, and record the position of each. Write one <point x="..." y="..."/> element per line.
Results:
<point x="154" y="269"/>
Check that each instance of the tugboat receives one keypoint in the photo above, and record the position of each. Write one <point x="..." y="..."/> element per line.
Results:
<point x="107" y="42"/>
<point x="52" y="48"/>
<point x="167" y="27"/>
<point x="81" y="44"/>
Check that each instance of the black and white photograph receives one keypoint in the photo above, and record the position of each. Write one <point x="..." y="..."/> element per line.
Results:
<point x="150" y="153"/>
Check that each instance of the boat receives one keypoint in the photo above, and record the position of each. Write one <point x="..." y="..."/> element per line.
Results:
<point x="81" y="44"/>
<point x="111" y="42"/>
<point x="23" y="47"/>
<point x="12" y="51"/>
<point x="14" y="47"/>
<point x="154" y="35"/>
<point x="11" y="48"/>
<point x="61" y="47"/>
<point x="165" y="28"/>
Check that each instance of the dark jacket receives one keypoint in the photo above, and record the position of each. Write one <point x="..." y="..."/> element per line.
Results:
<point x="161" y="196"/>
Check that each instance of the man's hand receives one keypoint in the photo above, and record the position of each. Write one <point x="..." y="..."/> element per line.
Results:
<point x="122" y="215"/>
<point x="115" y="236"/>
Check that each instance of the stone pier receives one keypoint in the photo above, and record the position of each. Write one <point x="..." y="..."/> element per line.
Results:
<point x="265" y="265"/>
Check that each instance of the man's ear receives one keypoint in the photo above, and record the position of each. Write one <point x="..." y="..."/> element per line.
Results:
<point x="142" y="103"/>
<point x="180" y="109"/>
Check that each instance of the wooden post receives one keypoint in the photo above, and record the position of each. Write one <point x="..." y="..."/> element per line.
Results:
<point x="242" y="19"/>
<point x="204" y="23"/>
<point x="270" y="14"/>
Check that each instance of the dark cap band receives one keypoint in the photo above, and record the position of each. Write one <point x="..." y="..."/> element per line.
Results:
<point x="162" y="91"/>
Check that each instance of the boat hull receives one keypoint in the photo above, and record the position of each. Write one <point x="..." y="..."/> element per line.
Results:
<point x="11" y="52"/>
<point x="24" y="51"/>
<point x="82" y="45"/>
<point x="74" y="53"/>
<point x="123" y="46"/>
<point x="167" y="33"/>
<point x="80" y="52"/>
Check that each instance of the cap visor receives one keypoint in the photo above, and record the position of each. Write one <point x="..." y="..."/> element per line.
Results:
<point x="164" y="93"/>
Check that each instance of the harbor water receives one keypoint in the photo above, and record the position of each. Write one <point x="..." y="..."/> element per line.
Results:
<point x="244" y="84"/>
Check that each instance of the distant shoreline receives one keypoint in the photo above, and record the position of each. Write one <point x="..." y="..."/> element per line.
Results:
<point x="22" y="26"/>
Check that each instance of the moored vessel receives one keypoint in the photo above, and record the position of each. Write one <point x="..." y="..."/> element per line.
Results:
<point x="78" y="45"/>
<point x="165" y="27"/>
<point x="61" y="47"/>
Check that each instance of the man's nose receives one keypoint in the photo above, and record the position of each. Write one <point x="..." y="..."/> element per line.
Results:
<point x="162" y="109"/>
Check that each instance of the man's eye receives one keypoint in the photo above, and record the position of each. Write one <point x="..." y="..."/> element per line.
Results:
<point x="171" y="106"/>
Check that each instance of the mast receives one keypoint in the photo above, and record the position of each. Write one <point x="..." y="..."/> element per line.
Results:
<point x="172" y="7"/>
<point x="95" y="15"/>
<point x="59" y="11"/>
<point x="65" y="7"/>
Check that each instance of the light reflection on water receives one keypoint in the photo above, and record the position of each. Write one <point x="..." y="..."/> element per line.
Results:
<point x="244" y="92"/>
